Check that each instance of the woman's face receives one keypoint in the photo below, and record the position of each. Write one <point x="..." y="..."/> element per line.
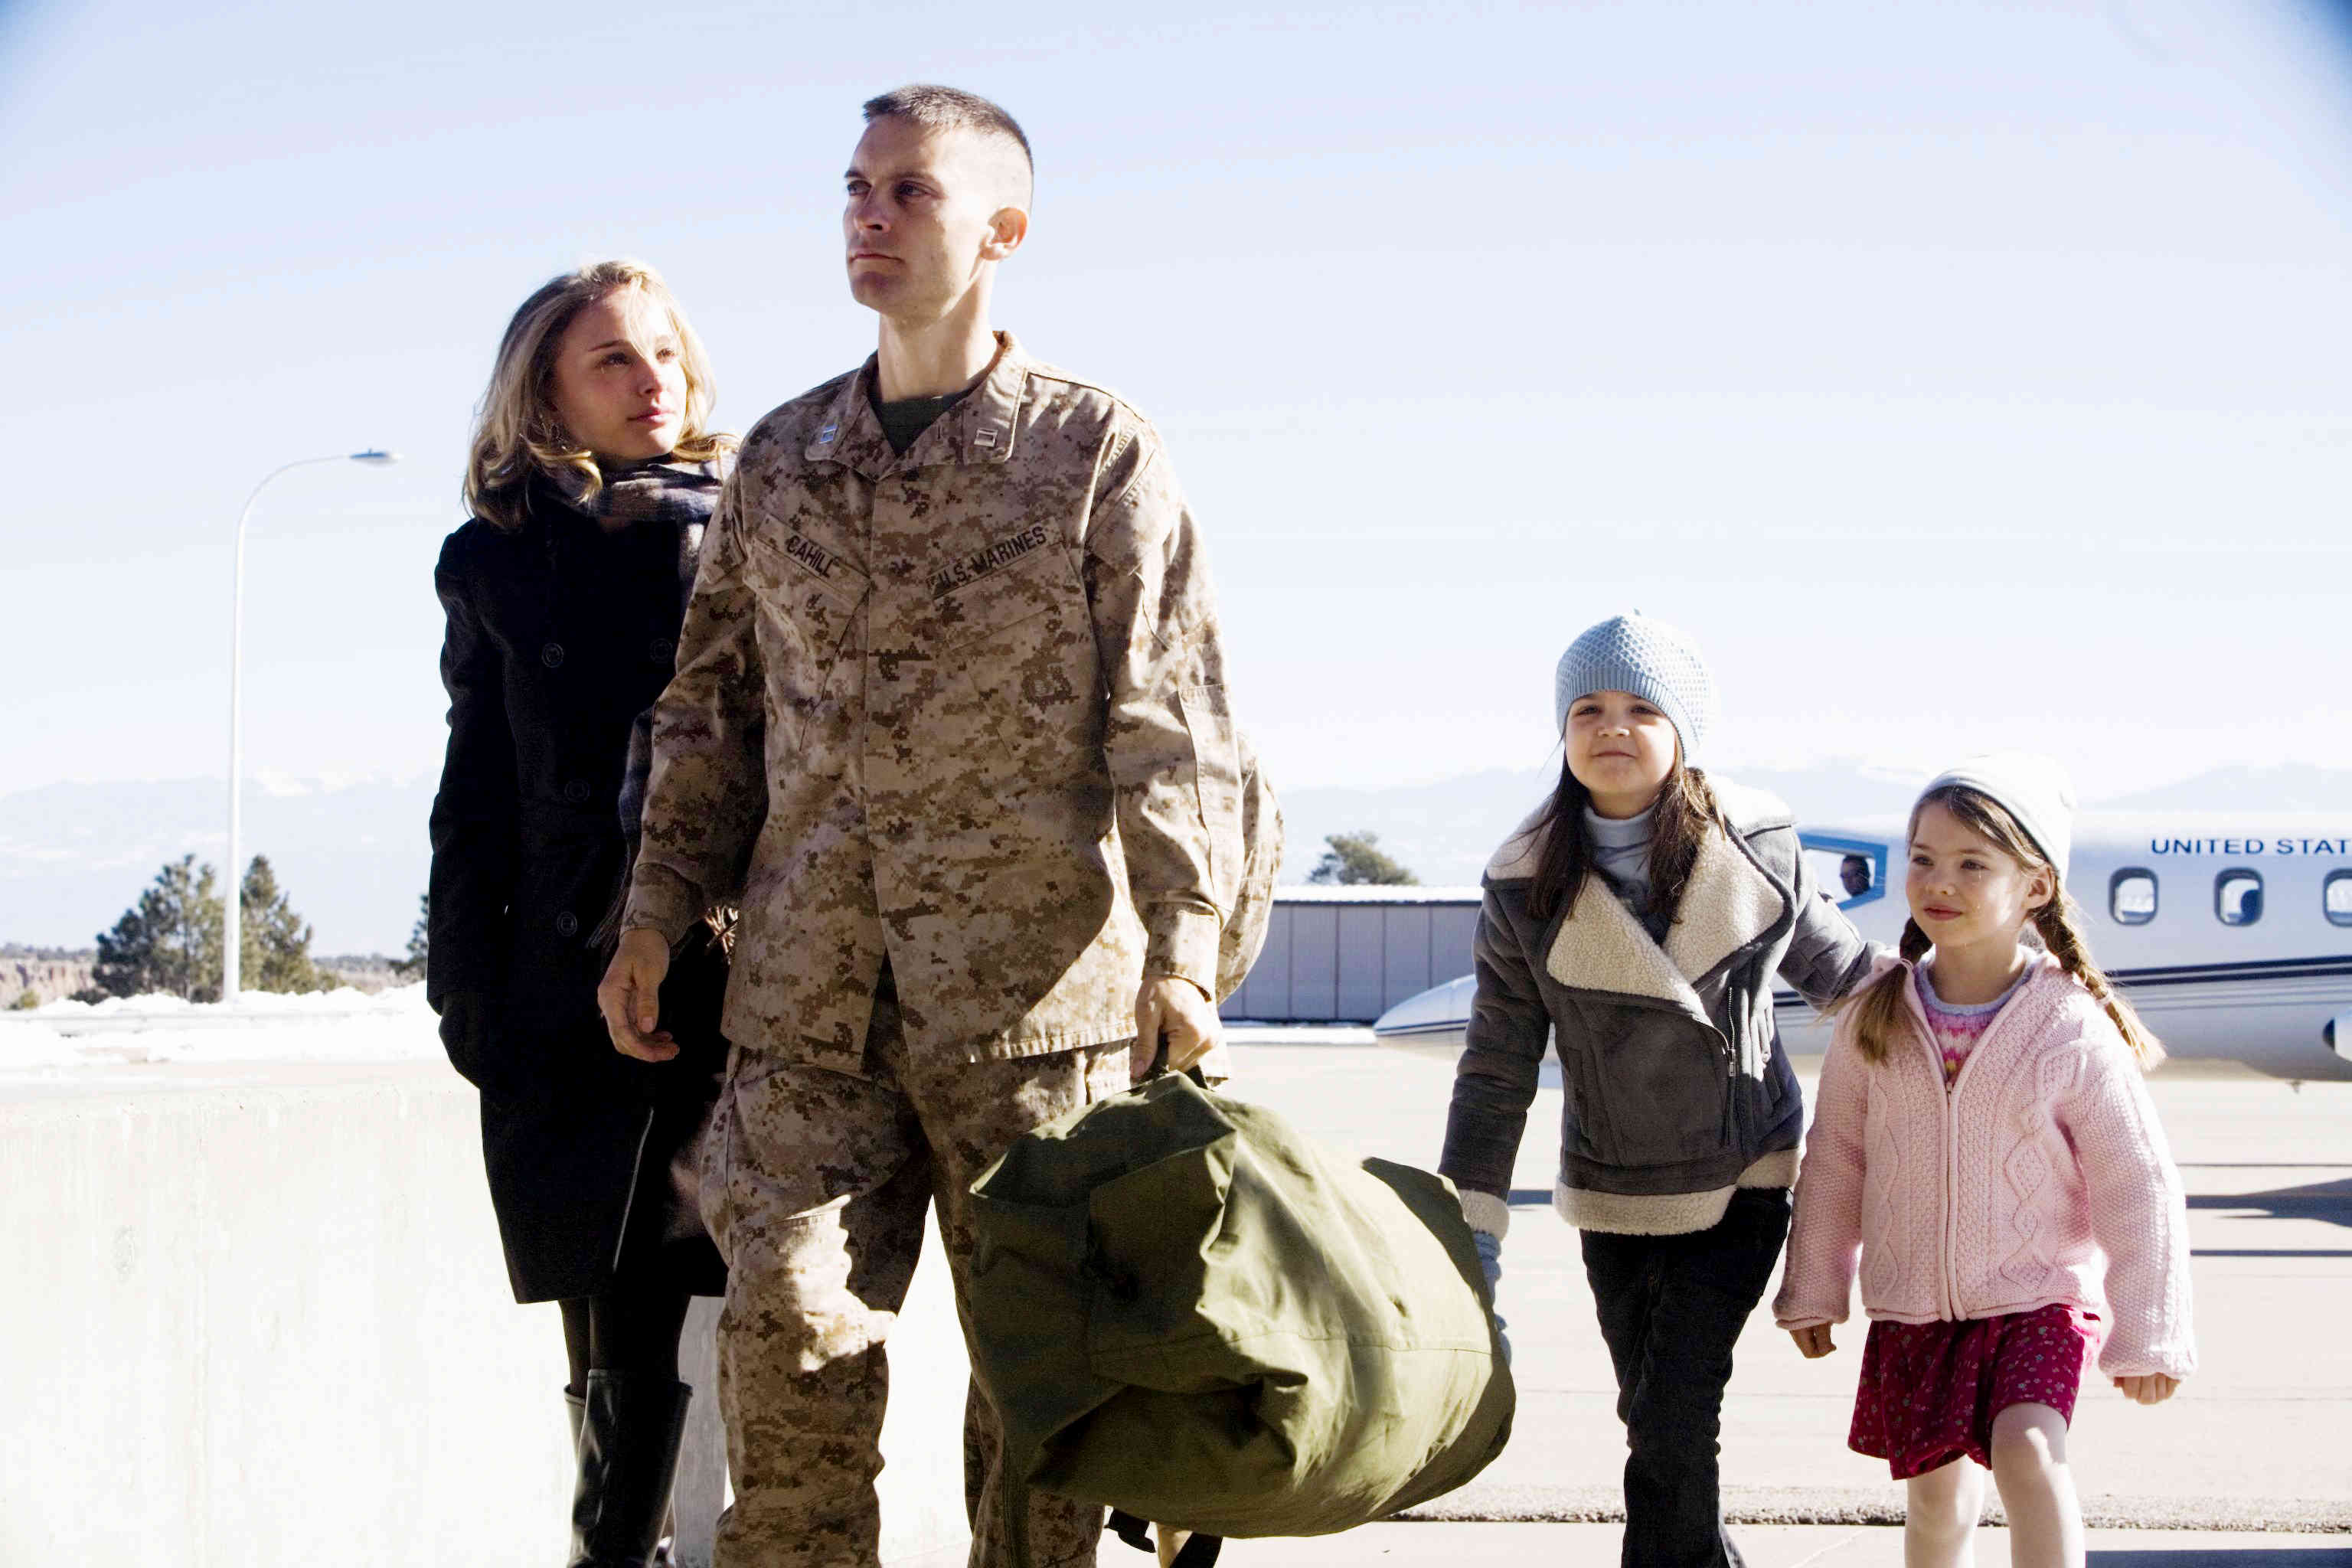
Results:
<point x="619" y="381"/>
<point x="1620" y="748"/>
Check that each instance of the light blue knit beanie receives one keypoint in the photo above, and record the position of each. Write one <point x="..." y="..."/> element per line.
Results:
<point x="1649" y="659"/>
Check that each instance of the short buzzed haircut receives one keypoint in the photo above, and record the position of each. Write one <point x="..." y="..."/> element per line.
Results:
<point x="936" y="108"/>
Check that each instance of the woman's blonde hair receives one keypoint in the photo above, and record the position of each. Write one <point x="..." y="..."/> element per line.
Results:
<point x="1878" y="1007"/>
<point x="518" y="434"/>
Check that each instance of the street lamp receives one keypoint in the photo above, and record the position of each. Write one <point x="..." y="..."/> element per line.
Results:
<point x="232" y="932"/>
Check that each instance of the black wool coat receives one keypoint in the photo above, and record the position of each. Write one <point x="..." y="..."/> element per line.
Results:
<point x="559" y="634"/>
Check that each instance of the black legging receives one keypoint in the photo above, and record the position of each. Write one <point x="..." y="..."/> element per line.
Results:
<point x="630" y="1327"/>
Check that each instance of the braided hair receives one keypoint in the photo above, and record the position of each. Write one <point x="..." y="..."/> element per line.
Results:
<point x="1878" y="1009"/>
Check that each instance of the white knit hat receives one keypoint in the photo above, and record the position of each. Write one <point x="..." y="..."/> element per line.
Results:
<point x="2033" y="788"/>
<point x="1649" y="659"/>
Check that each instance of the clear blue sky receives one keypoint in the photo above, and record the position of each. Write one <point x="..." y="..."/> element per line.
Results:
<point x="1960" y="374"/>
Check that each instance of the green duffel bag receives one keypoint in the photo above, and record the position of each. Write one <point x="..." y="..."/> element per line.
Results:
<point x="1183" y="1310"/>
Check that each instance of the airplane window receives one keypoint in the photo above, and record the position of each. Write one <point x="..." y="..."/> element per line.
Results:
<point x="2238" y="897"/>
<point x="1849" y="870"/>
<point x="2335" y="897"/>
<point x="2131" y="896"/>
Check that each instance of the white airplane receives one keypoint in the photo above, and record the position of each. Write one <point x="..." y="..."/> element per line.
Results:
<point x="2230" y="934"/>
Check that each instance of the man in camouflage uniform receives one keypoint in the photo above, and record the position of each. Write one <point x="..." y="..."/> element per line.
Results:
<point x="949" y="725"/>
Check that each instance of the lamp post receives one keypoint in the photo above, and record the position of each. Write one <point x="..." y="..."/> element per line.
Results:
<point x="233" y="928"/>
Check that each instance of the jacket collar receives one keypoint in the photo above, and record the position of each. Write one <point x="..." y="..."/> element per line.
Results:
<point x="979" y="429"/>
<point x="1727" y="904"/>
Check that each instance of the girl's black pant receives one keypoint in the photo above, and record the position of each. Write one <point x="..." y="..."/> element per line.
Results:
<point x="1671" y="1307"/>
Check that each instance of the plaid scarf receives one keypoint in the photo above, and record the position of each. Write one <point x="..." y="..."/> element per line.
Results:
<point x="662" y="491"/>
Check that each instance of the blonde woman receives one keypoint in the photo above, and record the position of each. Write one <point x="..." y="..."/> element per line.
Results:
<point x="591" y="474"/>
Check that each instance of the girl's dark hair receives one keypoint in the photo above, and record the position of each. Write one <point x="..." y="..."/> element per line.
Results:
<point x="1878" y="1007"/>
<point x="1685" y="811"/>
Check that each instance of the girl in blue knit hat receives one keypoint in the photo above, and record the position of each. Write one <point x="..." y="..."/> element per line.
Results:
<point x="1640" y="918"/>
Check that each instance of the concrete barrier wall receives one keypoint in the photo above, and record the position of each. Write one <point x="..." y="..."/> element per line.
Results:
<point x="257" y="1316"/>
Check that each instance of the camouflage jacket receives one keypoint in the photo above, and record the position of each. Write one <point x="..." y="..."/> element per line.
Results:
<point x="963" y="710"/>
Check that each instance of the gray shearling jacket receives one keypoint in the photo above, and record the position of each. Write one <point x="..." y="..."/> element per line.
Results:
<point x="1678" y="1090"/>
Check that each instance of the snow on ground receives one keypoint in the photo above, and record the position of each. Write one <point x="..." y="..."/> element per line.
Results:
<point x="320" y="1026"/>
<point x="343" y="1026"/>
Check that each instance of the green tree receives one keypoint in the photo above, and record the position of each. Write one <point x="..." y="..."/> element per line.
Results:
<point x="275" y="951"/>
<point x="26" y="1000"/>
<point x="413" y="966"/>
<point x="1355" y="858"/>
<point x="170" y="940"/>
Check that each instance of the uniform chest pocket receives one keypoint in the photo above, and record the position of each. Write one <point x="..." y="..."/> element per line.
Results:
<point x="1011" y="616"/>
<point x="808" y="598"/>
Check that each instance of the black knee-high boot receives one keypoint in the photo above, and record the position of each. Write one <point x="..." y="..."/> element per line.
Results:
<point x="631" y="1425"/>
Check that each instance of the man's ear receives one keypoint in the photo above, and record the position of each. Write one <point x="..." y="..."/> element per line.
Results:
<point x="1006" y="229"/>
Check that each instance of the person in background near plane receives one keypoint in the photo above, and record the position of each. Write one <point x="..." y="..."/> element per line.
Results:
<point x="591" y="474"/>
<point x="951" y="715"/>
<point x="1640" y="917"/>
<point x="2000" y="1081"/>
<point x="1854" y="875"/>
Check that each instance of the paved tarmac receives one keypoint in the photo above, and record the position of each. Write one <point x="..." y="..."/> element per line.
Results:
<point x="2250" y="1464"/>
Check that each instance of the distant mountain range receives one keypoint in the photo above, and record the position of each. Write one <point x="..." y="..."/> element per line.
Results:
<point x="351" y="856"/>
<point x="1446" y="830"/>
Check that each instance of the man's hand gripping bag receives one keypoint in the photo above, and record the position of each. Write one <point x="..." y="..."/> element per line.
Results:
<point x="1182" y="1308"/>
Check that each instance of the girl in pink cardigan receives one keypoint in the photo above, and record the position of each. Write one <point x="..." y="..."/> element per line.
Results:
<point x="1983" y="1143"/>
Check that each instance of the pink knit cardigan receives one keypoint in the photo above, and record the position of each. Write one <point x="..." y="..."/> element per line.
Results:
<point x="2001" y="1195"/>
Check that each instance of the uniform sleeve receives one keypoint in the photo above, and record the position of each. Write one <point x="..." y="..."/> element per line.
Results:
<point x="2139" y="1217"/>
<point x="708" y="790"/>
<point x="1501" y="1059"/>
<point x="1825" y="1234"/>
<point x="475" y="823"/>
<point x="1168" y="733"/>
<point x="1826" y="957"/>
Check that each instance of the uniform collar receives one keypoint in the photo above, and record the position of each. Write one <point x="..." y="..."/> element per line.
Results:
<point x="979" y="429"/>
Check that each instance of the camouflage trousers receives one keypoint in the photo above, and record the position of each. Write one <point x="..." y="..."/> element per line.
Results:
<point x="814" y="1186"/>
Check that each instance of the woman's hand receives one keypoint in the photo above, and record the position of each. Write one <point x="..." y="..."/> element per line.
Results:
<point x="630" y="997"/>
<point x="1813" y="1340"/>
<point x="2148" y="1387"/>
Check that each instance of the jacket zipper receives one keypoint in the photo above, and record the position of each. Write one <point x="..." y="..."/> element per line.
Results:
<point x="1946" y="1283"/>
<point x="1946" y="1288"/>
